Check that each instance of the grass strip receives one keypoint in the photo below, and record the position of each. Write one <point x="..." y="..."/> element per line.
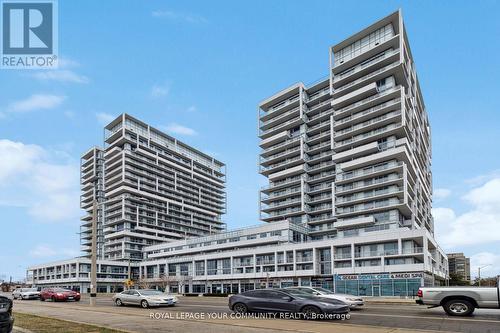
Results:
<point x="40" y="324"/>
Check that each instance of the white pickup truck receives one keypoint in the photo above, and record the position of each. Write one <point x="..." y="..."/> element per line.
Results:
<point x="460" y="301"/>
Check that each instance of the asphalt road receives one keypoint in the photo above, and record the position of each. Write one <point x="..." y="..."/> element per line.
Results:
<point x="372" y="316"/>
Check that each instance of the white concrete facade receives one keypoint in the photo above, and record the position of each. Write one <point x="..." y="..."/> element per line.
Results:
<point x="348" y="205"/>
<point x="150" y="188"/>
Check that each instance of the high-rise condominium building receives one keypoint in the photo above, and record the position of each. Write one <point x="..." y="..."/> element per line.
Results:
<point x="351" y="152"/>
<point x="149" y="188"/>
<point x="348" y="201"/>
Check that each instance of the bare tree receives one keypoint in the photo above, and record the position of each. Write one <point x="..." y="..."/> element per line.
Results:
<point x="166" y="280"/>
<point x="183" y="280"/>
<point x="144" y="283"/>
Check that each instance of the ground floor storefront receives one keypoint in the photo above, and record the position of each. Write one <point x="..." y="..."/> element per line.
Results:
<point x="376" y="285"/>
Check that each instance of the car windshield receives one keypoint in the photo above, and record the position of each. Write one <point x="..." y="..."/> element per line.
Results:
<point x="150" y="292"/>
<point x="29" y="289"/>
<point x="60" y="290"/>
<point x="324" y="291"/>
<point x="297" y="293"/>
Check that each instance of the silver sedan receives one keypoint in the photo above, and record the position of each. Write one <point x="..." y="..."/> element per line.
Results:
<point x="144" y="297"/>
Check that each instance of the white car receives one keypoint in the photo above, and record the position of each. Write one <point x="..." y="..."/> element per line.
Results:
<point x="26" y="293"/>
<point x="354" y="302"/>
<point x="144" y="297"/>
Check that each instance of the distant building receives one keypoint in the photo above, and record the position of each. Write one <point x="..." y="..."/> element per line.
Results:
<point x="459" y="264"/>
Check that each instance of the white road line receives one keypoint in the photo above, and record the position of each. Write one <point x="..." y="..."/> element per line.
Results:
<point x="425" y="317"/>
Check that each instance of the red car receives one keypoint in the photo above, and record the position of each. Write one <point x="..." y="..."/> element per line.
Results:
<point x="59" y="294"/>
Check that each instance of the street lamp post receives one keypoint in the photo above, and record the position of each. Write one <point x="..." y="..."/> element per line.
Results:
<point x="93" y="264"/>
<point x="479" y="274"/>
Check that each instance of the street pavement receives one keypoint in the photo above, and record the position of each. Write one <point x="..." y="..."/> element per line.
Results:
<point x="185" y="317"/>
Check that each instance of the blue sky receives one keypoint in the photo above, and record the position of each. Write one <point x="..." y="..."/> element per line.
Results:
<point x="198" y="70"/>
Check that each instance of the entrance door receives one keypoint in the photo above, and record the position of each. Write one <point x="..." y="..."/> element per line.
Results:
<point x="376" y="290"/>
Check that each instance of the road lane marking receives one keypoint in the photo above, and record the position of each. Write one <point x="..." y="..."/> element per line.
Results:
<point x="426" y="317"/>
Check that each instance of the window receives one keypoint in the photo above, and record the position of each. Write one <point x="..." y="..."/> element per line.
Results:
<point x="255" y="293"/>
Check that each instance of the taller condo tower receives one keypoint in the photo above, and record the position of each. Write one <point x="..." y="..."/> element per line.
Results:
<point x="351" y="153"/>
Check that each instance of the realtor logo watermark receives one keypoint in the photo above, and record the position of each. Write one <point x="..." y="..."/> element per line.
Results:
<point x="29" y="34"/>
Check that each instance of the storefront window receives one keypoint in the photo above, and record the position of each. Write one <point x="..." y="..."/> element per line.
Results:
<point x="386" y="288"/>
<point x="400" y="288"/>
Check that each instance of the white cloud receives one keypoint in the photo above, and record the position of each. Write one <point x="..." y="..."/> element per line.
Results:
<point x="192" y="108"/>
<point x="481" y="179"/>
<point x="63" y="75"/>
<point x="479" y="225"/>
<point x="36" y="102"/>
<point x="43" y="182"/>
<point x="104" y="118"/>
<point x="160" y="90"/>
<point x="179" y="16"/>
<point x="175" y="128"/>
<point x="482" y="259"/>
<point x="441" y="193"/>
<point x="45" y="250"/>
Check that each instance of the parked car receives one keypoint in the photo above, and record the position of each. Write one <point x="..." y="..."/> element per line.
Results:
<point x="144" y="297"/>
<point x="355" y="302"/>
<point x="25" y="293"/>
<point x="460" y="301"/>
<point x="280" y="300"/>
<point x="6" y="319"/>
<point x="59" y="294"/>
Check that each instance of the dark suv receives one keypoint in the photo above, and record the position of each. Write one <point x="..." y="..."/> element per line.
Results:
<point x="6" y="319"/>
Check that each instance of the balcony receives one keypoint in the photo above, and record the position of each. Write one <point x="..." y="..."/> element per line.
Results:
<point x="275" y="109"/>
<point x="318" y="94"/>
<point x="281" y="183"/>
<point x="369" y="207"/>
<point x="293" y="113"/>
<point x="363" y="196"/>
<point x="286" y="125"/>
<point x="320" y="166"/>
<point x="373" y="76"/>
<point x="266" y="161"/>
<point x="281" y="194"/>
<point x="367" y="184"/>
<point x="390" y="105"/>
<point x="367" y="125"/>
<point x="278" y="147"/>
<point x="354" y="153"/>
<point x="282" y="204"/>
<point x="363" y="254"/>
<point x="368" y="102"/>
<point x="289" y="162"/>
<point x="356" y="71"/>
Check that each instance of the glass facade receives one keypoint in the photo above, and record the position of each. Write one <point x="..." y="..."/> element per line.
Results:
<point x="369" y="286"/>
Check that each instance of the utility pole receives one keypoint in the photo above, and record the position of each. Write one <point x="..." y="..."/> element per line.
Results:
<point x="93" y="264"/>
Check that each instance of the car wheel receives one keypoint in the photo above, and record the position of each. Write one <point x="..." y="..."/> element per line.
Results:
<point x="144" y="304"/>
<point x="53" y="298"/>
<point x="42" y="299"/>
<point x="118" y="302"/>
<point x="458" y="307"/>
<point x="310" y="311"/>
<point x="240" y="308"/>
